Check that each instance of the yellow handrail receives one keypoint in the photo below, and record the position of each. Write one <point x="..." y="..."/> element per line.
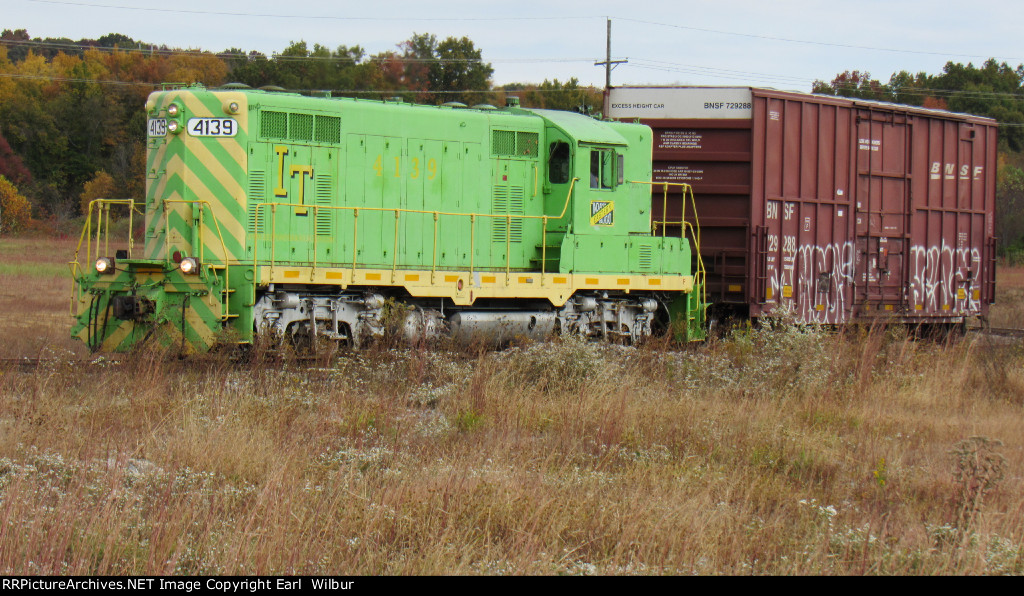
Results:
<point x="103" y="234"/>
<point x="687" y="192"/>
<point x="398" y="212"/>
<point x="102" y="207"/>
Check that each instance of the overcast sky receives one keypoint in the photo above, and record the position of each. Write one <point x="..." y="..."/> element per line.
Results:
<point x="785" y="44"/>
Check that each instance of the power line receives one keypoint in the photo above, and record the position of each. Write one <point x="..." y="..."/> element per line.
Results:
<point x="643" y="63"/>
<point x="392" y="92"/>
<point x="513" y="18"/>
<point x="319" y="17"/>
<point x="746" y="75"/>
<point x="805" y="41"/>
<point x="163" y="51"/>
<point x="717" y="72"/>
<point x="56" y="79"/>
<point x="9" y="75"/>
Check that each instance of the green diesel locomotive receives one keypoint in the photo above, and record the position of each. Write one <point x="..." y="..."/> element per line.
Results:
<point x="318" y="217"/>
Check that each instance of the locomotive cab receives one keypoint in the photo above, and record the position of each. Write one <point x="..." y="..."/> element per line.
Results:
<point x="608" y="225"/>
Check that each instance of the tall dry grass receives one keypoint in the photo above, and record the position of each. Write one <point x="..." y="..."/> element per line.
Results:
<point x="780" y="450"/>
<point x="35" y="294"/>
<point x="1008" y="311"/>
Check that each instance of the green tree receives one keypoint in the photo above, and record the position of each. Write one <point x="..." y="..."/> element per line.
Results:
<point x="452" y="70"/>
<point x="908" y="89"/>
<point x="994" y="90"/>
<point x="1010" y="207"/>
<point x="118" y="40"/>
<point x="555" y="95"/>
<point x="460" y="74"/>
<point x="853" y="84"/>
<point x="254" y="69"/>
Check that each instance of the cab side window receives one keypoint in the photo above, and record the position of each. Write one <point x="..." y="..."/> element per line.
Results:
<point x="602" y="169"/>
<point x="559" y="162"/>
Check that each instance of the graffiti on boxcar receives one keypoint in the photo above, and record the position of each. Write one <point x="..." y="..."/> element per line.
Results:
<point x="816" y="280"/>
<point x="941" y="278"/>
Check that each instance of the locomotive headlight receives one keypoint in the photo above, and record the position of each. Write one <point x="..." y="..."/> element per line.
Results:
<point x="104" y="265"/>
<point x="189" y="266"/>
<point x="232" y="108"/>
<point x="173" y="110"/>
<point x="173" y="126"/>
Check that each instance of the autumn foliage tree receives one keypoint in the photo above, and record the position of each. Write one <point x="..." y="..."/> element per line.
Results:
<point x="100" y="186"/>
<point x="15" y="210"/>
<point x="11" y="166"/>
<point x="69" y="109"/>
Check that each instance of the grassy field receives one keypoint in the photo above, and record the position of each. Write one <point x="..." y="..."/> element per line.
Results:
<point x="772" y="451"/>
<point x="35" y="297"/>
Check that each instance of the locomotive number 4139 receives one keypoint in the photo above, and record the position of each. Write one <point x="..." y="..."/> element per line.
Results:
<point x="157" y="127"/>
<point x="211" y="127"/>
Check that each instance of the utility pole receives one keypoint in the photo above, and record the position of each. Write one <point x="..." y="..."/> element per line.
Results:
<point x="608" y="62"/>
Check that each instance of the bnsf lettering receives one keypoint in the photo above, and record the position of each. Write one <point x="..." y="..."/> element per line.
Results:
<point x="728" y="105"/>
<point x="950" y="172"/>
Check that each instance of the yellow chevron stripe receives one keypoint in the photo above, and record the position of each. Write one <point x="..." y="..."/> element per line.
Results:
<point x="212" y="239"/>
<point x="200" y="327"/>
<point x="196" y="107"/>
<point x="114" y="339"/>
<point x="199" y="147"/>
<point x="174" y="164"/>
<point x="160" y="155"/>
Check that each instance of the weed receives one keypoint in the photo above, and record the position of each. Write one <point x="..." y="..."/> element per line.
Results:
<point x="468" y="420"/>
<point x="881" y="473"/>
<point x="977" y="469"/>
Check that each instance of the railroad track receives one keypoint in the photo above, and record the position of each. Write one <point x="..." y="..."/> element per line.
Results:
<point x="31" y="363"/>
<point x="998" y="331"/>
<point x="27" y="364"/>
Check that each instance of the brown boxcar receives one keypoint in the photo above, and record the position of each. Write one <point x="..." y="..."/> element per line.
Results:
<point x="835" y="208"/>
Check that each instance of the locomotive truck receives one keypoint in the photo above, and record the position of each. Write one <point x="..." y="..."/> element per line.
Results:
<point x="320" y="218"/>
